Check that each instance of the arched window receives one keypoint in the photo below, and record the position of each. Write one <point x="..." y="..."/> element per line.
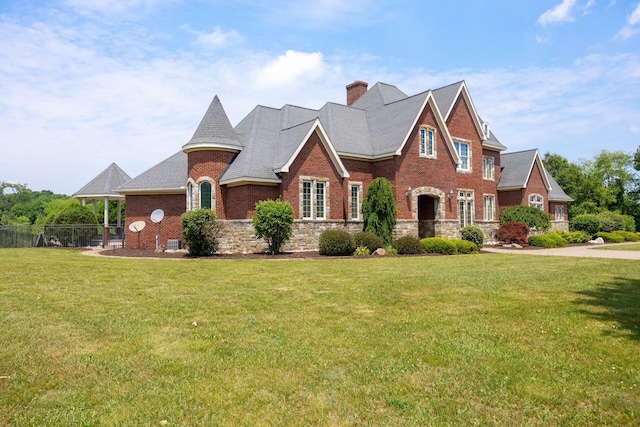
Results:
<point x="536" y="201"/>
<point x="205" y="195"/>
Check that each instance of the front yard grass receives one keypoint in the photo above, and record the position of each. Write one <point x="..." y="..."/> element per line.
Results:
<point x="491" y="339"/>
<point x="626" y="247"/>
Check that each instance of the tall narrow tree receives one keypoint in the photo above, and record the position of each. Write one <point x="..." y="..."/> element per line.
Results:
<point x="379" y="209"/>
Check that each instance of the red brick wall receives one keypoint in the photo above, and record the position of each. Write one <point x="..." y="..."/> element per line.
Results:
<point x="510" y="198"/>
<point x="139" y="208"/>
<point x="461" y="126"/>
<point x="241" y="200"/>
<point x="210" y="163"/>
<point x="314" y="161"/>
<point x="536" y="186"/>
<point x="415" y="171"/>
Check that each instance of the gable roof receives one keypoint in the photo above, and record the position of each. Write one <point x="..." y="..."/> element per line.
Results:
<point x="105" y="184"/>
<point x="167" y="177"/>
<point x="516" y="170"/>
<point x="557" y="194"/>
<point x="214" y="131"/>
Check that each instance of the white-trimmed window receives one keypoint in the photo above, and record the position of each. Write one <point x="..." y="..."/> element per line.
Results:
<point x="313" y="199"/>
<point x="487" y="168"/>
<point x="489" y="207"/>
<point x="427" y="142"/>
<point x="559" y="213"/>
<point x="465" y="207"/>
<point x="536" y="201"/>
<point x="463" y="150"/>
<point x="355" y="203"/>
<point x="205" y="195"/>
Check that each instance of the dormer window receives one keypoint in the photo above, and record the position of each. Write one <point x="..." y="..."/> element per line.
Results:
<point x="427" y="142"/>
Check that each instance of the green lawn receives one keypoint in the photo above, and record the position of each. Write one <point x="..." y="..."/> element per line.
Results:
<point x="462" y="340"/>
<point x="629" y="247"/>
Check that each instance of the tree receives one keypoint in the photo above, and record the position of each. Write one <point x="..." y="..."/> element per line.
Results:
<point x="273" y="222"/>
<point x="379" y="210"/>
<point x="200" y="230"/>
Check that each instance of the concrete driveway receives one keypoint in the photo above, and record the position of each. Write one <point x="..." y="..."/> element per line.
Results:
<point x="574" y="251"/>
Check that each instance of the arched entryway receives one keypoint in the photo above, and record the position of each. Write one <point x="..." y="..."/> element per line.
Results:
<point x="427" y="209"/>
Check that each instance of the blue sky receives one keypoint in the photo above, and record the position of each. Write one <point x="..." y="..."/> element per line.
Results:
<point x="84" y="83"/>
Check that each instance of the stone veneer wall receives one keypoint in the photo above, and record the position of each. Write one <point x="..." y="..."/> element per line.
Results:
<point x="237" y="236"/>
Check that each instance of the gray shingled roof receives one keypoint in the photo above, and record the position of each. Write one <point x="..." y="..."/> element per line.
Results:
<point x="169" y="176"/>
<point x="214" y="130"/>
<point x="105" y="184"/>
<point x="446" y="96"/>
<point x="380" y="93"/>
<point x="516" y="168"/>
<point x="557" y="194"/>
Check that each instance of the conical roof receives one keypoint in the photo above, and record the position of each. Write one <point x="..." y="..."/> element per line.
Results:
<point x="105" y="184"/>
<point x="214" y="131"/>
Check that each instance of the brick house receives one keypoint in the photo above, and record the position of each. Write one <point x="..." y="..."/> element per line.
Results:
<point x="446" y="167"/>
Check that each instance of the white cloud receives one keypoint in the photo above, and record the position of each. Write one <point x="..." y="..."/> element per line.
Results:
<point x="216" y="39"/>
<point x="631" y="29"/>
<point x="290" y="68"/>
<point x="560" y="13"/>
<point x="111" y="7"/>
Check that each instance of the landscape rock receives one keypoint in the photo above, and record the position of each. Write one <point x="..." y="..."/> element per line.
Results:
<point x="379" y="252"/>
<point x="597" y="241"/>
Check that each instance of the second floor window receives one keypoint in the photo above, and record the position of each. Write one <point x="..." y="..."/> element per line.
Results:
<point x="536" y="201"/>
<point x="427" y="142"/>
<point x="463" y="151"/>
<point x="487" y="168"/>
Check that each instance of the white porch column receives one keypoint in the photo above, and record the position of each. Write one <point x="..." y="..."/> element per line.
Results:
<point x="119" y="213"/>
<point x="106" y="212"/>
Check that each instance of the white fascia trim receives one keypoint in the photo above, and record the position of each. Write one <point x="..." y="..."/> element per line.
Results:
<point x="99" y="196"/>
<point x="543" y="171"/>
<point x="429" y="100"/>
<point x="474" y="115"/>
<point x="317" y="126"/>
<point x="246" y="180"/>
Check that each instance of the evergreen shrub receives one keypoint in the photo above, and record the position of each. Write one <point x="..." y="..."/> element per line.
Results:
<point x="610" y="237"/>
<point x="465" y="246"/>
<point x="379" y="209"/>
<point x="200" y="231"/>
<point x="577" y="237"/>
<point x="368" y="240"/>
<point x="611" y="221"/>
<point x="588" y="223"/>
<point x="408" y="245"/>
<point x="473" y="234"/>
<point x="543" y="241"/>
<point x="438" y="245"/>
<point x="336" y="243"/>
<point x="273" y="221"/>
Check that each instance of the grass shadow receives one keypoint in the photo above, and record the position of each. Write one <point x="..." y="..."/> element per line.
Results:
<point x="617" y="301"/>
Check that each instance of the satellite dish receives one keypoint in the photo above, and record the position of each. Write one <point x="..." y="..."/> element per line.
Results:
<point x="137" y="226"/>
<point x="157" y="215"/>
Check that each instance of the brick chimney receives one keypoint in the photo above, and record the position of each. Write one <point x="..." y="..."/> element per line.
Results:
<point x="355" y="90"/>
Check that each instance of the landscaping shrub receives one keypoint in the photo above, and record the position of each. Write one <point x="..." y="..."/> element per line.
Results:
<point x="379" y="209"/>
<point x="610" y="237"/>
<point x="577" y="237"/>
<point x="559" y="240"/>
<point x="628" y="236"/>
<point x="408" y="245"/>
<point x="273" y="221"/>
<point x="629" y="223"/>
<point x="543" y="241"/>
<point x="513" y="232"/>
<point x="473" y="234"/>
<point x="610" y="221"/>
<point x="534" y="218"/>
<point x="438" y="245"/>
<point x="465" y="246"/>
<point x="368" y="240"/>
<point x="362" y="251"/>
<point x="588" y="223"/>
<point x="336" y="243"/>
<point x="391" y="251"/>
<point x="200" y="231"/>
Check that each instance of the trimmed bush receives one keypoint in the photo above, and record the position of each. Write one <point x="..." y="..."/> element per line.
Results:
<point x="610" y="237"/>
<point x="560" y="241"/>
<point x="465" y="246"/>
<point x="368" y="240"/>
<point x="513" y="232"/>
<point x="336" y="243"/>
<point x="611" y="221"/>
<point x="628" y="236"/>
<point x="588" y="223"/>
<point x="629" y="223"/>
<point x="408" y="245"/>
<point x="273" y="222"/>
<point x="200" y="231"/>
<point x="473" y="234"/>
<point x="542" y="241"/>
<point x="438" y="245"/>
<point x="577" y="237"/>
<point x="534" y="218"/>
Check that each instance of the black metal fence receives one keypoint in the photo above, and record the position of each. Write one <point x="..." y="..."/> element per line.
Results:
<point x="61" y="235"/>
